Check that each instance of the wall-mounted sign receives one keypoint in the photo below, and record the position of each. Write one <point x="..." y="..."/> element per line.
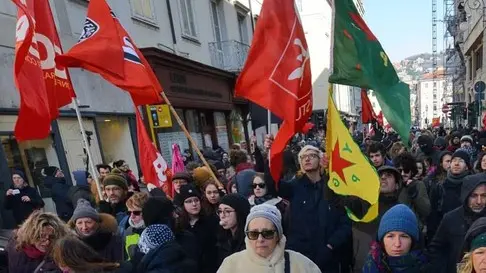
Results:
<point x="159" y="116"/>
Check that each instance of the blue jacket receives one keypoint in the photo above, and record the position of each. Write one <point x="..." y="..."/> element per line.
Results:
<point x="315" y="221"/>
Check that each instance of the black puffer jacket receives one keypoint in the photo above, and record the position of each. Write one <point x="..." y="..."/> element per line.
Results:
<point x="60" y="189"/>
<point x="446" y="248"/>
<point x="168" y="258"/>
<point x="20" y="209"/>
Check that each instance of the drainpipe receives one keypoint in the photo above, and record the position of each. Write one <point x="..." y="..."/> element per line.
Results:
<point x="171" y="23"/>
<point x="252" y="19"/>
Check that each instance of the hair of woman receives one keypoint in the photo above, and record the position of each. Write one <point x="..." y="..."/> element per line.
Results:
<point x="466" y="264"/>
<point x="30" y="231"/>
<point x="73" y="253"/>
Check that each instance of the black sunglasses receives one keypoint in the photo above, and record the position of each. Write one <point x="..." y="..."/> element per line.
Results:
<point x="260" y="185"/>
<point x="136" y="213"/>
<point x="266" y="234"/>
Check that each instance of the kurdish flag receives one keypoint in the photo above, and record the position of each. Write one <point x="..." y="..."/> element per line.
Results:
<point x="359" y="60"/>
<point x="350" y="173"/>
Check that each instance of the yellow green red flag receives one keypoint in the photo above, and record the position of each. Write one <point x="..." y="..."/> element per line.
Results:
<point x="350" y="172"/>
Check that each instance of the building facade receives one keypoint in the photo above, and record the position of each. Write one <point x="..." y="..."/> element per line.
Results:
<point x="196" y="47"/>
<point x="430" y="104"/>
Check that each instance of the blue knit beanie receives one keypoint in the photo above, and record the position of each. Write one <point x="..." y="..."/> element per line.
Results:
<point x="399" y="218"/>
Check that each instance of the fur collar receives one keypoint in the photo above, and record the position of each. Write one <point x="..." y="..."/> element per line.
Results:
<point x="274" y="258"/>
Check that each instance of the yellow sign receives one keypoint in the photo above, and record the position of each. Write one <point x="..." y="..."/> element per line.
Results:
<point x="159" y="116"/>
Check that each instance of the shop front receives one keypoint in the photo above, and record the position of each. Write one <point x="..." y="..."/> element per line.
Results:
<point x="203" y="98"/>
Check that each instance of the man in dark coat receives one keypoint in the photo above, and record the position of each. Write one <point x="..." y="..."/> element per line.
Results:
<point x="21" y="198"/>
<point x="318" y="228"/>
<point x="446" y="247"/>
<point x="54" y="179"/>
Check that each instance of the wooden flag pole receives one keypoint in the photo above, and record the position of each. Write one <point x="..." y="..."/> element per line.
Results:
<point x="193" y="143"/>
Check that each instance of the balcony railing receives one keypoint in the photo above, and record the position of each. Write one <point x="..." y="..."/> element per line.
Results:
<point x="228" y="55"/>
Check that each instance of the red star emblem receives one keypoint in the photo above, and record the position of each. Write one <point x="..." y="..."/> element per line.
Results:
<point x="362" y="25"/>
<point x="339" y="163"/>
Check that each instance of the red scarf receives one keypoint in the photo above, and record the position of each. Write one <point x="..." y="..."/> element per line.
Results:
<point x="33" y="253"/>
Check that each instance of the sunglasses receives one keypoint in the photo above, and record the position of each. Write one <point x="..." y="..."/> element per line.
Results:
<point x="266" y="234"/>
<point x="136" y="213"/>
<point x="259" y="185"/>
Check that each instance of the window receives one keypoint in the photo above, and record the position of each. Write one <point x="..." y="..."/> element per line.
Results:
<point x="243" y="29"/>
<point x="435" y="96"/>
<point x="426" y="85"/>
<point x="216" y="24"/>
<point x="188" y="18"/>
<point x="143" y="10"/>
<point x="435" y="84"/>
<point x="478" y="54"/>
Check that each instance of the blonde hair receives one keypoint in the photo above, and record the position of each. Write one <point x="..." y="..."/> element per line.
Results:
<point x="395" y="149"/>
<point x="30" y="231"/>
<point x="466" y="265"/>
<point x="137" y="200"/>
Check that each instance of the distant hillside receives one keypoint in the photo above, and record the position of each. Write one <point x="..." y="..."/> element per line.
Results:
<point x="413" y="67"/>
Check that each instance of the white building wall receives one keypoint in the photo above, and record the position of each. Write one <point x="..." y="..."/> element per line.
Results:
<point x="430" y="107"/>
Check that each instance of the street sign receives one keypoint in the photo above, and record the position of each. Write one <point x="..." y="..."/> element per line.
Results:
<point x="445" y="108"/>
<point x="479" y="86"/>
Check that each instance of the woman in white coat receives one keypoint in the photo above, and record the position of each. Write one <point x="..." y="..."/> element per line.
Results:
<point x="265" y="247"/>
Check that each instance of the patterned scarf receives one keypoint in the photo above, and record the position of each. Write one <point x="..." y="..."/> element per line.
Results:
<point x="379" y="262"/>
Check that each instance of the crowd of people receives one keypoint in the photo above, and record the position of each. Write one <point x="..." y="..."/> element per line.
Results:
<point x="431" y="213"/>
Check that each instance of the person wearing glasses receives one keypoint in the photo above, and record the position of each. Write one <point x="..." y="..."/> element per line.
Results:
<point x="264" y="192"/>
<point x="232" y="211"/>
<point x="136" y="225"/>
<point x="265" y="247"/>
<point x="192" y="218"/>
<point x="29" y="248"/>
<point x="98" y="230"/>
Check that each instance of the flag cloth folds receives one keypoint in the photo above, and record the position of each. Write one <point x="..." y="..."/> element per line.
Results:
<point x="350" y="173"/>
<point x="277" y="73"/>
<point x="106" y="48"/>
<point x="154" y="167"/>
<point x="367" y="112"/>
<point x="359" y="60"/>
<point x="43" y="86"/>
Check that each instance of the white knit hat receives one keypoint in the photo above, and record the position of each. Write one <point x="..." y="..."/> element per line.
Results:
<point x="269" y="212"/>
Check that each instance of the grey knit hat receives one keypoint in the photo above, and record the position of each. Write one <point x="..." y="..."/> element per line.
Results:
<point x="85" y="210"/>
<point x="269" y="212"/>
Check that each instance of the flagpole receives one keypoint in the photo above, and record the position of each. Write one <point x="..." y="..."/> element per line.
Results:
<point x="193" y="143"/>
<point x="88" y="151"/>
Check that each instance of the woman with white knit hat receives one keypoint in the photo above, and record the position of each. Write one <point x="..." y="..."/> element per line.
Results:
<point x="265" y="247"/>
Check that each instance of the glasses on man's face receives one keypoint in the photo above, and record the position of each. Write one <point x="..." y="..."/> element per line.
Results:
<point x="308" y="156"/>
<point x="134" y="212"/>
<point x="266" y="234"/>
<point x="224" y="212"/>
<point x="259" y="185"/>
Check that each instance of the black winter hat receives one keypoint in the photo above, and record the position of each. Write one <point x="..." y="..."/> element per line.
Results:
<point x="183" y="175"/>
<point x="158" y="210"/>
<point x="238" y="202"/>
<point x="186" y="191"/>
<point x="440" y="142"/>
<point x="219" y="165"/>
<point x="464" y="155"/>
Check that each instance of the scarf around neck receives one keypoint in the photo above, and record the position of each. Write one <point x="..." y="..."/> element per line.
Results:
<point x="456" y="179"/>
<point x="263" y="199"/>
<point x="33" y="253"/>
<point x="379" y="262"/>
<point x="140" y="224"/>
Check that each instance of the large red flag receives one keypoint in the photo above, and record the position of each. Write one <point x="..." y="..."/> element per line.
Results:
<point x="106" y="48"/>
<point x="154" y="167"/>
<point x="277" y="73"/>
<point x="34" y="120"/>
<point x="58" y="82"/>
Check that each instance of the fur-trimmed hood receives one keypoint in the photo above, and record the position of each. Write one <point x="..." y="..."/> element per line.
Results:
<point x="107" y="223"/>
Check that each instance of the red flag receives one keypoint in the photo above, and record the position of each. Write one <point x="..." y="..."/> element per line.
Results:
<point x="154" y="167"/>
<point x="367" y="112"/>
<point x="43" y="86"/>
<point x="106" y="48"/>
<point x="277" y="73"/>
<point x="58" y="82"/>
<point x="379" y="118"/>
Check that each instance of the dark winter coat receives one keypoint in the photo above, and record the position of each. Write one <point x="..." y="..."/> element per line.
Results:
<point x="59" y="190"/>
<point x="243" y="178"/>
<point x="315" y="222"/>
<point x="118" y="210"/>
<point x="168" y="258"/>
<point x="205" y="231"/>
<point x="446" y="247"/>
<point x="20" y="209"/>
<point x="106" y="241"/>
<point x="80" y="192"/>
<point x="444" y="197"/>
<point x="19" y="262"/>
